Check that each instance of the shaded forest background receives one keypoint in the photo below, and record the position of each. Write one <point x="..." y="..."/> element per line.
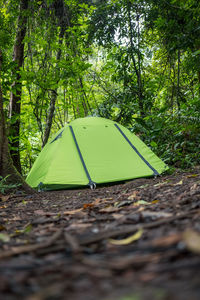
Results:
<point x="133" y="61"/>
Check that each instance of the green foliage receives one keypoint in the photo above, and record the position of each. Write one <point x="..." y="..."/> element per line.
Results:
<point x="5" y="186"/>
<point x="135" y="62"/>
<point x="174" y="137"/>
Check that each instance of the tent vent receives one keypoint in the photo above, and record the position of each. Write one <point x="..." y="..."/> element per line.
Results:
<point x="57" y="137"/>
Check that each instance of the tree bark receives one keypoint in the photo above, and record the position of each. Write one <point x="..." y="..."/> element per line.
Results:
<point x="137" y="69"/>
<point x="178" y="80"/>
<point x="15" y="96"/>
<point x="53" y="94"/>
<point x="63" y="21"/>
<point x="6" y="164"/>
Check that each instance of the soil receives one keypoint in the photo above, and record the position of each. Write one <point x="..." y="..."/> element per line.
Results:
<point x="131" y="241"/>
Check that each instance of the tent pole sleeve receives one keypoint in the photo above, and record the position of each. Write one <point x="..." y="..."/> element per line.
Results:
<point x="91" y="183"/>
<point x="135" y="149"/>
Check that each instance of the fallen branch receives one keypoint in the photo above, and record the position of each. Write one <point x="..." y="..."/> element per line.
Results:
<point x="130" y="229"/>
<point x="33" y="247"/>
<point x="82" y="240"/>
<point x="73" y="242"/>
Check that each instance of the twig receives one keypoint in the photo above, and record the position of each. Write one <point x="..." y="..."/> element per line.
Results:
<point x="73" y="242"/>
<point x="33" y="247"/>
<point x="129" y="229"/>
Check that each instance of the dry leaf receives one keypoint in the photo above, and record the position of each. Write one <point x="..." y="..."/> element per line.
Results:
<point x="133" y="196"/>
<point x="192" y="240"/>
<point x="192" y="175"/>
<point x="154" y="201"/>
<point x="4" y="197"/>
<point x="194" y="187"/>
<point x="4" y="237"/>
<point x="101" y="200"/>
<point x="143" y="186"/>
<point x="109" y="209"/>
<point x="123" y="203"/>
<point x="179" y="183"/>
<point x="159" y="184"/>
<point x="2" y="227"/>
<point x="141" y="202"/>
<point x="117" y="216"/>
<point x="129" y="239"/>
<point x="88" y="205"/>
<point x="3" y="206"/>
<point x="98" y="201"/>
<point x="72" y="212"/>
<point x="167" y="240"/>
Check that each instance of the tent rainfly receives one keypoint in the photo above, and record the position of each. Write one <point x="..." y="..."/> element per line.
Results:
<point x="91" y="151"/>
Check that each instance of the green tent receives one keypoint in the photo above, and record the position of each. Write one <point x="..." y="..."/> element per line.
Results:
<point x="91" y="151"/>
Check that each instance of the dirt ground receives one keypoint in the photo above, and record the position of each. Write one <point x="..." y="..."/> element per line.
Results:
<point x="133" y="241"/>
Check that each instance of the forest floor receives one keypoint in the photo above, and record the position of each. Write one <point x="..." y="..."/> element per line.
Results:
<point x="134" y="241"/>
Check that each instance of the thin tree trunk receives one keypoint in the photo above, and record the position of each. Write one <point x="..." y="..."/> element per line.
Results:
<point x="198" y="74"/>
<point x="53" y="93"/>
<point x="137" y="69"/>
<point x="178" y="82"/>
<point x="15" y="96"/>
<point x="6" y="164"/>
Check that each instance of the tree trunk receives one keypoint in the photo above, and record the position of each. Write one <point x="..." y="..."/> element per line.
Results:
<point x="178" y="81"/>
<point x="15" y="96"/>
<point x="6" y="164"/>
<point x="53" y="93"/>
<point x="198" y="74"/>
<point x="137" y="69"/>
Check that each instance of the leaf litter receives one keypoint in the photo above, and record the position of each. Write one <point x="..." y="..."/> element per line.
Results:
<point x="139" y="237"/>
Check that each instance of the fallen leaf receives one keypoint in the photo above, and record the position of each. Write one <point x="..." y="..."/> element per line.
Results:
<point x="109" y="209"/>
<point x="3" y="206"/>
<point x="194" y="187"/>
<point x="167" y="240"/>
<point x="4" y="197"/>
<point x="192" y="240"/>
<point x="143" y="186"/>
<point x="101" y="200"/>
<point x="141" y="202"/>
<point x="133" y="196"/>
<point x="136" y="236"/>
<point x="98" y="201"/>
<point x="179" y="183"/>
<point x="72" y="212"/>
<point x="15" y="218"/>
<point x="192" y="175"/>
<point x="4" y="237"/>
<point x="28" y="228"/>
<point x="123" y="203"/>
<point x="159" y="184"/>
<point x="117" y="216"/>
<point x="88" y="205"/>
<point x="2" y="227"/>
<point x="154" y="201"/>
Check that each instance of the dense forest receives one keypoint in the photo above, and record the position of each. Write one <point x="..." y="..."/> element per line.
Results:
<point x="136" y="62"/>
